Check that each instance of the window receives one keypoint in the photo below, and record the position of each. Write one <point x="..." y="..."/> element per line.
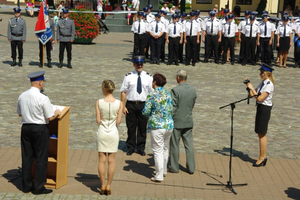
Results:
<point x="203" y="1"/>
<point x="243" y="2"/>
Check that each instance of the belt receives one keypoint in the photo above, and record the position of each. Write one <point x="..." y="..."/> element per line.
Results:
<point x="65" y="35"/>
<point x="191" y="36"/>
<point x="212" y="34"/>
<point x="135" y="102"/>
<point x="265" y="38"/>
<point x="139" y="33"/>
<point x="17" y="35"/>
<point x="229" y="37"/>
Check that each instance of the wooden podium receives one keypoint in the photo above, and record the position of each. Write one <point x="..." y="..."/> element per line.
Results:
<point x="58" y="151"/>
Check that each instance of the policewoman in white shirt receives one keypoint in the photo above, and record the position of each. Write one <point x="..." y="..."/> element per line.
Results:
<point x="263" y="95"/>
<point x="36" y="111"/>
<point x="284" y="40"/>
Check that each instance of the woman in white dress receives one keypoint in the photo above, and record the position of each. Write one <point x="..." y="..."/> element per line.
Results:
<point x="108" y="116"/>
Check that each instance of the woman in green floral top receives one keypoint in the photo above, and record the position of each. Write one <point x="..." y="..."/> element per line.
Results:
<point x="158" y="109"/>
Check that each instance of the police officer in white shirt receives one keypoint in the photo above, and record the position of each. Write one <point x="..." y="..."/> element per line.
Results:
<point x="148" y="20"/>
<point x="36" y="111"/>
<point x="200" y="21"/>
<point x="157" y="30"/>
<point x="250" y="30"/>
<point x="295" y="27"/>
<point x="183" y="22"/>
<point x="223" y="21"/>
<point x="191" y="39"/>
<point x="297" y="48"/>
<point x="139" y="28"/>
<point x="174" y="35"/>
<point x="241" y="28"/>
<point x="212" y="31"/>
<point x="150" y="16"/>
<point x="265" y="37"/>
<point x="135" y="88"/>
<point x="163" y="39"/>
<point x="229" y="30"/>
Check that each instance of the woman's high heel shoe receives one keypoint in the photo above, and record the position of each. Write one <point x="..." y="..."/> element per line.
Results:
<point x="102" y="190"/>
<point x="263" y="163"/>
<point x="108" y="191"/>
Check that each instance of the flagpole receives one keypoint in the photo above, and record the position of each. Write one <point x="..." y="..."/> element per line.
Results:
<point x="43" y="54"/>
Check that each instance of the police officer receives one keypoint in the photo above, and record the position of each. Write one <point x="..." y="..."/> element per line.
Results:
<point x="174" y="35"/>
<point x="223" y="21"/>
<point x="139" y="28"/>
<point x="191" y="39"/>
<point x="65" y="37"/>
<point x="229" y="30"/>
<point x="250" y="30"/>
<point x="36" y="111"/>
<point x="265" y="37"/>
<point x="16" y="35"/>
<point x="135" y="88"/>
<point x="295" y="27"/>
<point x="150" y="18"/>
<point x="157" y="30"/>
<point x="200" y="21"/>
<point x="48" y="46"/>
<point x="163" y="42"/>
<point x="212" y="31"/>
<point x="182" y="21"/>
<point x="241" y="29"/>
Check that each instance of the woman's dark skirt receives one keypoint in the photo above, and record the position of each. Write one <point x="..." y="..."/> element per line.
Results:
<point x="284" y="44"/>
<point x="263" y="114"/>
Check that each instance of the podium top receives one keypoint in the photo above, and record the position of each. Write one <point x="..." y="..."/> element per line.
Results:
<point x="64" y="112"/>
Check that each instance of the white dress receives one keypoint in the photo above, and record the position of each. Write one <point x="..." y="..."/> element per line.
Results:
<point x="108" y="134"/>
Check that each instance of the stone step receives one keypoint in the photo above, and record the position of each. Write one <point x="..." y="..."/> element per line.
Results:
<point x="118" y="28"/>
<point x="116" y="21"/>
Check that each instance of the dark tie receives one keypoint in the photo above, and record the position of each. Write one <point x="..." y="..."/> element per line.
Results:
<point x="265" y="29"/>
<point x="284" y="31"/>
<point x="229" y="29"/>
<point x="212" y="27"/>
<point x="251" y="30"/>
<point x="156" y="28"/>
<point x="139" y="84"/>
<point x="139" y="28"/>
<point x="174" y="31"/>
<point x="191" y="28"/>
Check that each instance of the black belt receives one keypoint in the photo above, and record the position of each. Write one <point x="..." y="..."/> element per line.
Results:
<point x="135" y="102"/>
<point x="139" y="33"/>
<point x="229" y="37"/>
<point x="212" y="34"/>
<point x="65" y="35"/>
<point x="265" y="38"/>
<point x="17" y="35"/>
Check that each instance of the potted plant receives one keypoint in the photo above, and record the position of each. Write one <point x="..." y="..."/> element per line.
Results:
<point x="86" y="25"/>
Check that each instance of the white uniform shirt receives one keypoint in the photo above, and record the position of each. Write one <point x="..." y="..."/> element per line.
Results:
<point x="129" y="86"/>
<point x="195" y="28"/>
<point x="269" y="88"/>
<point x="165" y="22"/>
<point x="143" y="27"/>
<point x="160" y="25"/>
<point x="280" y="31"/>
<point x="248" y="28"/>
<point x="270" y="28"/>
<point x="233" y="29"/>
<point x="200" y="21"/>
<point x="183" y="22"/>
<point x="216" y="26"/>
<point x="34" y="107"/>
<point x="243" y="24"/>
<point x="170" y="30"/>
<point x="296" y="24"/>
<point x="150" y="18"/>
<point x="298" y="29"/>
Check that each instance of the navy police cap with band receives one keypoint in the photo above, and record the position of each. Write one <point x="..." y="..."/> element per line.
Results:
<point x="164" y="12"/>
<point x="150" y="6"/>
<point x="247" y="12"/>
<point x="65" y="11"/>
<point x="184" y="15"/>
<point x="230" y="16"/>
<point x="36" y="76"/>
<point x="140" y="13"/>
<point x="138" y="59"/>
<point x="226" y="10"/>
<point x="252" y="17"/>
<point x="157" y="15"/>
<point x="266" y="67"/>
<point x="145" y="9"/>
<point x="17" y="10"/>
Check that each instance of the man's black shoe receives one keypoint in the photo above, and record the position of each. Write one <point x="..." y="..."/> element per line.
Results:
<point x="232" y="63"/>
<point x="205" y="60"/>
<point x="20" y="63"/>
<point x="243" y="63"/>
<point x="14" y="63"/>
<point x="296" y="65"/>
<point x="193" y="64"/>
<point x="142" y="153"/>
<point x="223" y="62"/>
<point x="60" y="64"/>
<point x="69" y="65"/>
<point x="187" y="64"/>
<point x="129" y="153"/>
<point x="158" y="63"/>
<point x="168" y="63"/>
<point x="177" y="63"/>
<point x="43" y="191"/>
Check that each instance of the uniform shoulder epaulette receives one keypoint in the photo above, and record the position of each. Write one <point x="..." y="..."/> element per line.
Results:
<point x="128" y="74"/>
<point x="217" y="20"/>
<point x="268" y="82"/>
<point x="149" y="74"/>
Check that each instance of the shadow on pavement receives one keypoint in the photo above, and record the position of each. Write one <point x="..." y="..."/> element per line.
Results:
<point x="235" y="153"/>
<point x="141" y="168"/>
<point x="293" y="193"/>
<point x="89" y="180"/>
<point x="14" y="176"/>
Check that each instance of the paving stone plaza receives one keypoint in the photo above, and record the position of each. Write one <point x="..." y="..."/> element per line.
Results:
<point x="109" y="57"/>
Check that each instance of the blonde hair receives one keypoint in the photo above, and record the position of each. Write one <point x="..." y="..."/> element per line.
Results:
<point x="108" y="85"/>
<point x="270" y="76"/>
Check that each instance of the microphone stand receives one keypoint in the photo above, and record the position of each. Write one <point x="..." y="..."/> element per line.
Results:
<point x="229" y="184"/>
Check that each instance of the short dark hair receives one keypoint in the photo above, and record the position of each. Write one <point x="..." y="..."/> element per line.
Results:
<point x="159" y="79"/>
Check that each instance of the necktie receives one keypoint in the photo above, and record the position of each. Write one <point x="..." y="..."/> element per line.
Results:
<point x="262" y="85"/>
<point x="250" y="30"/>
<point x="229" y="29"/>
<point x="156" y="28"/>
<point x="139" y="84"/>
<point x="174" y="31"/>
<point x="284" y="31"/>
<point x="265" y="29"/>
<point x="191" y="28"/>
<point x="139" y="28"/>
<point x="212" y="27"/>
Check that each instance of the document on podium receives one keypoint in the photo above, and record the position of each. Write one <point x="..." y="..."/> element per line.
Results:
<point x="58" y="107"/>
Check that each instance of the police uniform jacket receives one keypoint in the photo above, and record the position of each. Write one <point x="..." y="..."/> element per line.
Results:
<point x="143" y="27"/>
<point x="195" y="28"/>
<point x="233" y="29"/>
<point x="270" y="28"/>
<point x="248" y="28"/>
<point x="160" y="25"/>
<point x="16" y="29"/>
<point x="65" y="30"/>
<point x="170" y="30"/>
<point x="129" y="86"/>
<point x="280" y="31"/>
<point x="243" y="24"/>
<point x="217" y="26"/>
<point x="34" y="107"/>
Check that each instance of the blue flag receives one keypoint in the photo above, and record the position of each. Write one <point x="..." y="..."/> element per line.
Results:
<point x="42" y="27"/>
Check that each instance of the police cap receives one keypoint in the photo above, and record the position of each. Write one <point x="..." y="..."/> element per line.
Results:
<point x="138" y="59"/>
<point x="266" y="67"/>
<point x="36" y="76"/>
